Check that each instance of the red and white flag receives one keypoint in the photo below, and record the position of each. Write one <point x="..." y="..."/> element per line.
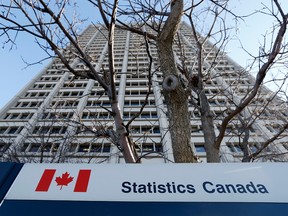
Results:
<point x="47" y="178"/>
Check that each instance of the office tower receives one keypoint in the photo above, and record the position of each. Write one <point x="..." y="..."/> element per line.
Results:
<point x="59" y="117"/>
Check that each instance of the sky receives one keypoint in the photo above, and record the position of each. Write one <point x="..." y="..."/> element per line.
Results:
<point x="15" y="75"/>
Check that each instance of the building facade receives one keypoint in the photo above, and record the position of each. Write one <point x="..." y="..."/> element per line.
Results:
<point x="59" y="117"/>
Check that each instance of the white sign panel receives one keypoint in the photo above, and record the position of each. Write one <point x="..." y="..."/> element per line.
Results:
<point x="156" y="183"/>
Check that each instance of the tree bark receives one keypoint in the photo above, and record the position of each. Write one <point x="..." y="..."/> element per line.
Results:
<point x="176" y="98"/>
<point x="212" y="152"/>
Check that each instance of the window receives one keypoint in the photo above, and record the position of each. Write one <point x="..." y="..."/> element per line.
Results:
<point x="40" y="147"/>
<point x="83" y="148"/>
<point x="14" y="116"/>
<point x="34" y="147"/>
<point x="235" y="148"/>
<point x="90" y="147"/>
<point x="58" y="130"/>
<point x="145" y="115"/>
<point x="151" y="147"/>
<point x="146" y="129"/>
<point x="24" y="116"/>
<point x="200" y="148"/>
<point x="14" y="130"/>
<point x="25" y="104"/>
<point x="96" y="148"/>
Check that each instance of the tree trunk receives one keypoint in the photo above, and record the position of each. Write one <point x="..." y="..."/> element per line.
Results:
<point x="174" y="93"/>
<point x="207" y="122"/>
<point x="177" y="105"/>
<point x="128" y="150"/>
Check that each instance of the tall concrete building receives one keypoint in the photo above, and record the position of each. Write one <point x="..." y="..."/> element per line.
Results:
<point x="58" y="117"/>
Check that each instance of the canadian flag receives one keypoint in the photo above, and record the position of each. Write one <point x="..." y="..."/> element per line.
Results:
<point x="48" y="176"/>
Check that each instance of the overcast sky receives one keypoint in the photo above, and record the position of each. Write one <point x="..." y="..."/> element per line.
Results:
<point x="14" y="75"/>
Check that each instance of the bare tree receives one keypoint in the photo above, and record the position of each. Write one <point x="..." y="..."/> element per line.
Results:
<point x="49" y="23"/>
<point x="164" y="24"/>
<point x="158" y="22"/>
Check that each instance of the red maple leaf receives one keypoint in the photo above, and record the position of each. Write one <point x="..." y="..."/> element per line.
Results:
<point x="64" y="180"/>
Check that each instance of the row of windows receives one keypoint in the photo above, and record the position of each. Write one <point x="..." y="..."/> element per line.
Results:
<point x="32" y="104"/>
<point x="90" y="147"/>
<point x="43" y="86"/>
<point x="149" y="147"/>
<point x="37" y="147"/>
<point x="61" y="115"/>
<point x="37" y="94"/>
<point x="274" y="127"/>
<point x="49" y="78"/>
<point x="87" y="147"/>
<point x="135" y="92"/>
<point x="98" y="103"/>
<point x="75" y="147"/>
<point x="10" y="130"/>
<point x="134" y="74"/>
<point x="96" y="115"/>
<point x="231" y="129"/>
<point x="144" y="129"/>
<point x="70" y="93"/>
<point x="18" y="116"/>
<point x="70" y="84"/>
<point x="66" y="104"/>
<point x="236" y="148"/>
<point x="93" y="147"/>
<point x="138" y="102"/>
<point x="49" y="130"/>
<point x="137" y="83"/>
<point x="54" y="72"/>
<point x="58" y="66"/>
<point x="97" y="92"/>
<point x="143" y="115"/>
<point x="233" y="147"/>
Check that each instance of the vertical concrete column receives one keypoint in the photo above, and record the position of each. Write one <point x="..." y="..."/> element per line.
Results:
<point x="114" y="158"/>
<point x="122" y="84"/>
<point x="163" y="122"/>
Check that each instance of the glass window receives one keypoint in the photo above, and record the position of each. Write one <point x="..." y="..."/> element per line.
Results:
<point x="106" y="148"/>
<point x="96" y="148"/>
<point x="147" y="147"/>
<point x="55" y="130"/>
<point x="12" y="130"/>
<point x="234" y="148"/>
<point x="83" y="148"/>
<point x="14" y="116"/>
<point x="200" y="148"/>
<point x="34" y="148"/>
<point x="24" y="116"/>
<point x="156" y="130"/>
